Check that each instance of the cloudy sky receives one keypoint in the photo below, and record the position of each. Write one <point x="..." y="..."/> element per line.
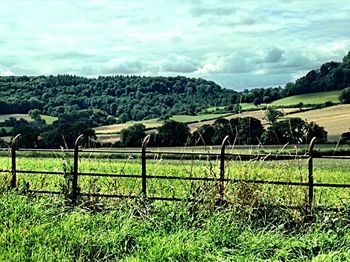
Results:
<point x="238" y="44"/>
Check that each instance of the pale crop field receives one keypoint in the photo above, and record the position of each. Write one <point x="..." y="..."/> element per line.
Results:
<point x="335" y="119"/>
<point x="258" y="114"/>
<point x="154" y="123"/>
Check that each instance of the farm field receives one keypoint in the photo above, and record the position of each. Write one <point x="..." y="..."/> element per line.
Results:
<point x="326" y="171"/>
<point x="49" y="119"/>
<point x="259" y="114"/>
<point x="244" y="106"/>
<point x="154" y="123"/>
<point x="111" y="133"/>
<point x="335" y="119"/>
<point x="312" y="98"/>
<point x="45" y="227"/>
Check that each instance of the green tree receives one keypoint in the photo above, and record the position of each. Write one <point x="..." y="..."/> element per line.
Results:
<point x="133" y="135"/>
<point x="345" y="138"/>
<point x="272" y="115"/>
<point x="3" y="144"/>
<point x="34" y="114"/>
<point x="29" y="136"/>
<point x="344" y="96"/>
<point x="314" y="130"/>
<point x="293" y="131"/>
<point x="203" y="135"/>
<point x="249" y="130"/>
<point x="173" y="133"/>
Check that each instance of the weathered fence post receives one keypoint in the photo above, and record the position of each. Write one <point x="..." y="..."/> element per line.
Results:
<point x="143" y="159"/>
<point x="222" y="170"/>
<point x="310" y="172"/>
<point x="13" y="158"/>
<point x="74" y="194"/>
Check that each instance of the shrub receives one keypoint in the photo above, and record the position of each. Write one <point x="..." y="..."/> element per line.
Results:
<point x="344" y="96"/>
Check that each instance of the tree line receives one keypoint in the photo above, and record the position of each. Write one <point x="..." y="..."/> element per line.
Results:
<point x="110" y="99"/>
<point x="241" y="131"/>
<point x="330" y="76"/>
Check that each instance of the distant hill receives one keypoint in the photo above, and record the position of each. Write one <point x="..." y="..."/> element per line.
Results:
<point x="330" y="76"/>
<point x="317" y="98"/>
<point x="116" y="97"/>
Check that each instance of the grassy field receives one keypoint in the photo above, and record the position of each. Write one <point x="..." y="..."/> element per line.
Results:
<point x="43" y="228"/>
<point x="110" y="134"/>
<point x="49" y="119"/>
<point x="154" y="123"/>
<point x="244" y="106"/>
<point x="335" y="119"/>
<point x="313" y="98"/>
<point x="326" y="171"/>
<point x="259" y="114"/>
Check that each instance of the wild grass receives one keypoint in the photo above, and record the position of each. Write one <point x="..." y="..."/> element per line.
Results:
<point x="47" y="228"/>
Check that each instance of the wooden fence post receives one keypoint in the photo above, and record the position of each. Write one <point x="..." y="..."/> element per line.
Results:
<point x="222" y="170"/>
<point x="143" y="162"/>
<point x="13" y="158"/>
<point x="74" y="194"/>
<point x="310" y="172"/>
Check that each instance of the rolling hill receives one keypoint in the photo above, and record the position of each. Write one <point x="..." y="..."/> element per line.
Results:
<point x="309" y="99"/>
<point x="335" y="119"/>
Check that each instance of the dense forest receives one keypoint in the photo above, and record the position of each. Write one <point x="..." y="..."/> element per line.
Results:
<point x="330" y="76"/>
<point x="110" y="99"/>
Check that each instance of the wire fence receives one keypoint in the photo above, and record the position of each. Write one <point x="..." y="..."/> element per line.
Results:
<point x="221" y="181"/>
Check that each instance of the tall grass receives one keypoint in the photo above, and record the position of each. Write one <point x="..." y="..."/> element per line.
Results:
<point x="47" y="228"/>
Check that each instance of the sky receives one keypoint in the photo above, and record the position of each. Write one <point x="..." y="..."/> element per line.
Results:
<point x="238" y="44"/>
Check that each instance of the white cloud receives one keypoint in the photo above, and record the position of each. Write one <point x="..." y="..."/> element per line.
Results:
<point x="122" y="66"/>
<point x="273" y="55"/>
<point x="178" y="64"/>
<point x="7" y="73"/>
<point x="239" y="44"/>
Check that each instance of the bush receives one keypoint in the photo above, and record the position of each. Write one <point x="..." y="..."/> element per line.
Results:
<point x="133" y="135"/>
<point x="345" y="138"/>
<point x="295" y="131"/>
<point x="344" y="96"/>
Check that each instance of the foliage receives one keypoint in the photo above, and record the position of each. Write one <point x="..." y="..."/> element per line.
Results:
<point x="34" y="114"/>
<point x="272" y="115"/>
<point x="3" y="144"/>
<point x="124" y="97"/>
<point x="66" y="134"/>
<point x="62" y="133"/>
<point x="330" y="76"/>
<point x="171" y="133"/>
<point x="246" y="130"/>
<point x="345" y="138"/>
<point x="133" y="135"/>
<point x="294" y="131"/>
<point x="344" y="96"/>
<point x="314" y="130"/>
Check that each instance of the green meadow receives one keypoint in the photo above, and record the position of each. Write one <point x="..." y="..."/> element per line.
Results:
<point x="312" y="98"/>
<point x="48" y="228"/>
